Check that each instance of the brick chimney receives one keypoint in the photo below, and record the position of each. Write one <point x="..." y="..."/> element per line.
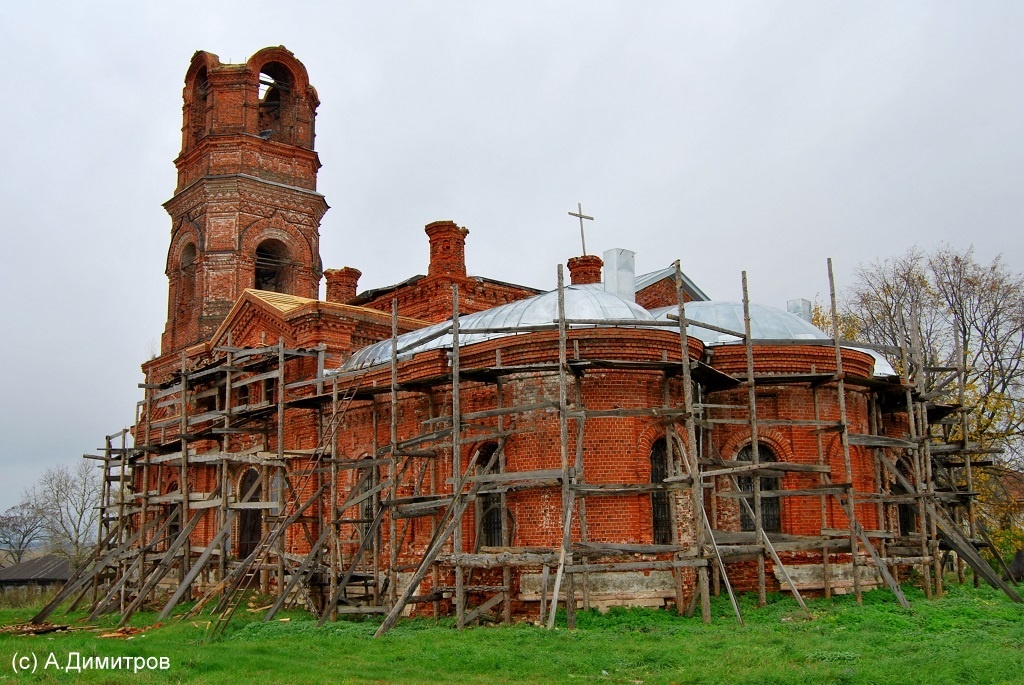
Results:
<point x="585" y="269"/>
<point x="341" y="284"/>
<point x="447" y="249"/>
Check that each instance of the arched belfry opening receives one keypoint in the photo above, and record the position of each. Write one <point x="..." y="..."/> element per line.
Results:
<point x="273" y="267"/>
<point x="250" y="523"/>
<point x="276" y="102"/>
<point x="197" y="110"/>
<point x="186" y="280"/>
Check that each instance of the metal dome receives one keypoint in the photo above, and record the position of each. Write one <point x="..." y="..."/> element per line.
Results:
<point x="766" y="323"/>
<point x="580" y="303"/>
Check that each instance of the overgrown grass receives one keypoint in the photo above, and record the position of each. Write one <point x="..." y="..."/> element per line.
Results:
<point x="969" y="636"/>
<point x="24" y="597"/>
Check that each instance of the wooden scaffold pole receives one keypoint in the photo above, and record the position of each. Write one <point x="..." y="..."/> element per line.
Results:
<point x="565" y="555"/>
<point x="754" y="452"/>
<point x="457" y="542"/>
<point x="844" y="436"/>
<point x="701" y="531"/>
<point x="908" y="358"/>
<point x="393" y="476"/>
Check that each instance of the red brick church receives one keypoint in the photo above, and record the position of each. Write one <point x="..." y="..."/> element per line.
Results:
<point x="453" y="444"/>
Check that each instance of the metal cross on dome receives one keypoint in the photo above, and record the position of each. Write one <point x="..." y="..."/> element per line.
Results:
<point x="579" y="213"/>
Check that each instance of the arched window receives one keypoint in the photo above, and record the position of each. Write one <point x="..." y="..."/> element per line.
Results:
<point x="489" y="510"/>
<point x="276" y="118"/>
<point x="186" y="280"/>
<point x="273" y="267"/>
<point x="366" y="506"/>
<point x="250" y="523"/>
<point x="906" y="519"/>
<point x="771" y="519"/>
<point x="243" y="396"/>
<point x="173" y="511"/>
<point x="661" y="515"/>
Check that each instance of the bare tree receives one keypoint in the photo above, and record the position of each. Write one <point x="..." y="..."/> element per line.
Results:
<point x="950" y="295"/>
<point x="21" y="526"/>
<point x="67" y="499"/>
<point x="889" y="293"/>
<point x="955" y="297"/>
<point x="985" y="305"/>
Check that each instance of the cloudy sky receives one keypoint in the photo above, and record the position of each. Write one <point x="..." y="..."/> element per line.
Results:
<point x="759" y="136"/>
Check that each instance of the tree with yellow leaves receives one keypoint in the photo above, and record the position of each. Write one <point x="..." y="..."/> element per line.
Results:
<point x="959" y="306"/>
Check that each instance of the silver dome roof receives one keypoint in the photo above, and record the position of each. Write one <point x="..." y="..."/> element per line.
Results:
<point x="766" y="323"/>
<point x="580" y="303"/>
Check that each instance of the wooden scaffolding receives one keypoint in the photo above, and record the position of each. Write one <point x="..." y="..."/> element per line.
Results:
<point x="924" y="497"/>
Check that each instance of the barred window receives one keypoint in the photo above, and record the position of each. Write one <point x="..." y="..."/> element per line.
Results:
<point x="661" y="515"/>
<point x="771" y="519"/>
<point x="489" y="510"/>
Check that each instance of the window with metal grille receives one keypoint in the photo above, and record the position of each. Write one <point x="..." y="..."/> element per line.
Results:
<point x="771" y="519"/>
<point x="489" y="511"/>
<point x="366" y="506"/>
<point x="661" y="515"/>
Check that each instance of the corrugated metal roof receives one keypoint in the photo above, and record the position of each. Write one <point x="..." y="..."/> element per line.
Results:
<point x="581" y="302"/>
<point x="47" y="567"/>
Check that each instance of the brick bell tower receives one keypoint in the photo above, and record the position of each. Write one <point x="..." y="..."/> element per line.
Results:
<point x="245" y="213"/>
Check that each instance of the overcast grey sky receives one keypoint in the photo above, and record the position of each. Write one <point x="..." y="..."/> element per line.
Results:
<point x="759" y="136"/>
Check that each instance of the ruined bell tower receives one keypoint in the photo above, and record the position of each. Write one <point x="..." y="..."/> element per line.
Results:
<point x="245" y="212"/>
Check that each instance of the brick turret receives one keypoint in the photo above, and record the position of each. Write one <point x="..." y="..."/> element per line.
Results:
<point x="447" y="249"/>
<point x="245" y="213"/>
<point x="585" y="269"/>
<point x="342" y="284"/>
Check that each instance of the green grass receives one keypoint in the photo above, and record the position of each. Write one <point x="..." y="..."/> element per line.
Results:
<point x="969" y="636"/>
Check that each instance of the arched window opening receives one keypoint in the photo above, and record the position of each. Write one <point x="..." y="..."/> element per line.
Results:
<point x="366" y="476"/>
<point x="661" y="512"/>
<point x="186" y="280"/>
<point x="276" y="102"/>
<point x="907" y="519"/>
<point x="197" y="112"/>
<point x="207" y="400"/>
<point x="771" y="518"/>
<point x="490" y="512"/>
<point x="270" y="390"/>
<point x="172" y="512"/>
<point x="250" y="524"/>
<point x="273" y="267"/>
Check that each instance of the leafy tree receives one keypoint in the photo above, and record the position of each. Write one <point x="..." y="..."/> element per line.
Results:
<point x="849" y="325"/>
